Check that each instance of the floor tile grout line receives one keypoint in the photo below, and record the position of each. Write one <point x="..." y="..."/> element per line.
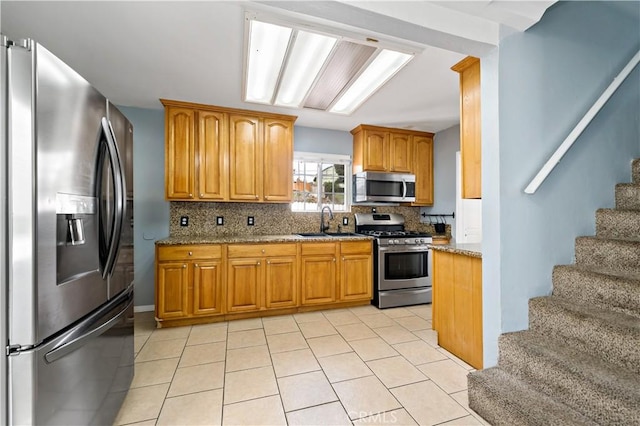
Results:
<point x="275" y="377"/>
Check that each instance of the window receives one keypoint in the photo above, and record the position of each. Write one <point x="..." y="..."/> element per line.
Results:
<point x="321" y="180"/>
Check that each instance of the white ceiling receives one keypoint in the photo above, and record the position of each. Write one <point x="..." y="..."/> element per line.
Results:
<point x="136" y="52"/>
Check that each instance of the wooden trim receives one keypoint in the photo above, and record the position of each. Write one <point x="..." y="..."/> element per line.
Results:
<point x="205" y="107"/>
<point x="389" y="129"/>
<point x="465" y="63"/>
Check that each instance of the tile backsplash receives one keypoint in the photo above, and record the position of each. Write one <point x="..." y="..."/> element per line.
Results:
<point x="271" y="219"/>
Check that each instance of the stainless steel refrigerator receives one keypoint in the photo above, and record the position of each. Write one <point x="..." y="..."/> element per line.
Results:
<point x="65" y="308"/>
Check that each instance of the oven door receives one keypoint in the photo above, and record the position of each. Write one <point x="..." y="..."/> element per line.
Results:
<point x="403" y="267"/>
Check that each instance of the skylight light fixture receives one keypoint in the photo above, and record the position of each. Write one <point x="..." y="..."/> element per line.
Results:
<point x="309" y="53"/>
<point x="381" y="69"/>
<point x="267" y="48"/>
<point x="294" y="66"/>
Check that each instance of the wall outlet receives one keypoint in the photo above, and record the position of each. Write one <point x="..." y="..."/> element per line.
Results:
<point x="184" y="220"/>
<point x="345" y="221"/>
<point x="250" y="221"/>
<point x="219" y="220"/>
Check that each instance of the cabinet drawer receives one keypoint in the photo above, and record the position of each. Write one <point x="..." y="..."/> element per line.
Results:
<point x="188" y="252"/>
<point x="353" y="247"/>
<point x="318" y="248"/>
<point x="260" y="250"/>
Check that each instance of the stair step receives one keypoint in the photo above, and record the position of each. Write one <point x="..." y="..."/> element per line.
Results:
<point x="605" y="393"/>
<point x="610" y="335"/>
<point x="609" y="253"/>
<point x="502" y="399"/>
<point x="628" y="196"/>
<point x="635" y="170"/>
<point x="618" y="224"/>
<point x="598" y="287"/>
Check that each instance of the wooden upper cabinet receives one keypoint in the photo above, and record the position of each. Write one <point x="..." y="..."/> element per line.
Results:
<point x="423" y="169"/>
<point x="245" y="169"/>
<point x="278" y="160"/>
<point x="370" y="149"/>
<point x="180" y="152"/>
<point x="223" y="154"/>
<point x="400" y="157"/>
<point x="213" y="156"/>
<point x="470" y="127"/>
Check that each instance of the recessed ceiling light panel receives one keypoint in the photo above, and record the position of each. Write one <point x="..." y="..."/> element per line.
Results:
<point x="267" y="48"/>
<point x="289" y="65"/>
<point x="308" y="55"/>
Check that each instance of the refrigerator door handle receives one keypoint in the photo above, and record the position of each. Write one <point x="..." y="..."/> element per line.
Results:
<point x="119" y="200"/>
<point x="82" y="335"/>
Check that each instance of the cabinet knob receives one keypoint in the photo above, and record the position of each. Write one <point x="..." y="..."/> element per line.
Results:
<point x="258" y="263"/>
<point x="342" y="258"/>
<point x="266" y="197"/>
<point x="263" y="251"/>
<point x="190" y="195"/>
<point x="201" y="195"/>
<point x="196" y="265"/>
<point x="334" y="259"/>
<point x="190" y="253"/>
<point x="184" y="265"/>
<point x="257" y="197"/>
<point x="268" y="262"/>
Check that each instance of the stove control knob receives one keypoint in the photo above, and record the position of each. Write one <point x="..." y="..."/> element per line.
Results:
<point x="407" y="241"/>
<point x="396" y="242"/>
<point x="390" y="242"/>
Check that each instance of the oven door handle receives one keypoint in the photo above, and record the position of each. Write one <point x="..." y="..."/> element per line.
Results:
<point x="404" y="249"/>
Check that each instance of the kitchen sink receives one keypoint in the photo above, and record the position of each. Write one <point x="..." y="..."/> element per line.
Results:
<point x="312" y="234"/>
<point x="343" y="234"/>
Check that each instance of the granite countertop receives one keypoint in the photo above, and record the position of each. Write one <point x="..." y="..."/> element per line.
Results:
<point x="467" y="249"/>
<point x="229" y="239"/>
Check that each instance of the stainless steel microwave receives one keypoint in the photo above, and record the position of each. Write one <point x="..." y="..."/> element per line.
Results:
<point x="384" y="187"/>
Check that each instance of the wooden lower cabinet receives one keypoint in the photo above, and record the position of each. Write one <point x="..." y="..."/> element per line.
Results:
<point x="318" y="273"/>
<point x="356" y="271"/>
<point x="261" y="276"/>
<point x="188" y="281"/>
<point x="457" y="305"/>
<point x="196" y="282"/>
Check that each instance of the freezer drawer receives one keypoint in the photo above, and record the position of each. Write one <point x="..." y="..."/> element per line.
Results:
<point x="79" y="377"/>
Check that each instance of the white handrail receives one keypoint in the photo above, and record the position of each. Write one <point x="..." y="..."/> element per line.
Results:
<point x="582" y="124"/>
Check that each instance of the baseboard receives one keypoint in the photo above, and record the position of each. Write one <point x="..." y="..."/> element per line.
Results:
<point x="144" y="308"/>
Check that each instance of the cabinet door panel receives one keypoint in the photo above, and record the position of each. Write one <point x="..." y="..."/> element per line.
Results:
<point x="356" y="281"/>
<point x="443" y="284"/>
<point x="318" y="279"/>
<point x="180" y="151"/>
<point x="172" y="296"/>
<point x="243" y="280"/>
<point x="423" y="169"/>
<point x="400" y="153"/>
<point x="278" y="160"/>
<point x="207" y="288"/>
<point x="376" y="150"/>
<point x="281" y="290"/>
<point x="213" y="163"/>
<point x="245" y="168"/>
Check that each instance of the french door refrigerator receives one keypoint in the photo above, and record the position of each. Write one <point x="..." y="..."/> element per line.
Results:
<point x="66" y="314"/>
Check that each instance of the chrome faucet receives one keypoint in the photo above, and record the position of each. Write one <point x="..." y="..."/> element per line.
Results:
<point x="324" y="227"/>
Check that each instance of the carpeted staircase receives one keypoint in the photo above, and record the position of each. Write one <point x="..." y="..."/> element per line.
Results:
<point x="579" y="362"/>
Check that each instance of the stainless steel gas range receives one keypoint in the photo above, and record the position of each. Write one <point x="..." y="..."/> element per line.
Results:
<point x="401" y="261"/>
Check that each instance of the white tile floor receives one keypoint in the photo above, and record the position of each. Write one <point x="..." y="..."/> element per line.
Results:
<point x="360" y="366"/>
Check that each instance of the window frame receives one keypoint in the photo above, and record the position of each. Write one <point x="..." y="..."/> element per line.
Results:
<point x="317" y="157"/>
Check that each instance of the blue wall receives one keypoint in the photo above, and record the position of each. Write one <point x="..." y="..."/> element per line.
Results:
<point x="150" y="209"/>
<point x="445" y="145"/>
<point x="536" y="87"/>
<point x="309" y="139"/>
